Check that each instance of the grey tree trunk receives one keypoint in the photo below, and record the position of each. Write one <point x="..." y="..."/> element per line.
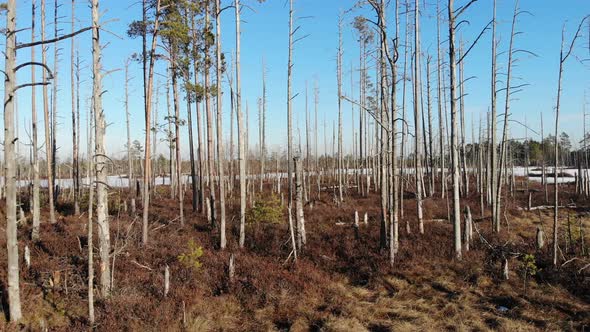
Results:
<point x="289" y="106"/>
<point x="54" y="108"/>
<point x="493" y="152"/>
<point x="220" y="154"/>
<point x="90" y="241"/>
<point x="454" y="133"/>
<point x="127" y="120"/>
<point x="100" y="157"/>
<point x="147" y="158"/>
<point x="36" y="208"/>
<point x="10" y="163"/>
<point x="241" y="134"/>
<point x="75" y="148"/>
<point x="563" y="56"/>
<point x="177" y="138"/>
<point x="263" y="129"/>
<point x="417" y="121"/>
<point x="300" y="219"/>
<point x="496" y="200"/>
<point x="47" y="123"/>
<point x="340" y="147"/>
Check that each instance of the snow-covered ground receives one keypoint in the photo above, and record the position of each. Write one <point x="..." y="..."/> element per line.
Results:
<point x="121" y="181"/>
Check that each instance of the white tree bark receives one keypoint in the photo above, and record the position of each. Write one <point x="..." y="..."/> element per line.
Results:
<point x="10" y="142"/>
<point x="241" y="133"/>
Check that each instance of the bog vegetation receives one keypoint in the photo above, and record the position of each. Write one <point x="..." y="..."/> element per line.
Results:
<point x="419" y="226"/>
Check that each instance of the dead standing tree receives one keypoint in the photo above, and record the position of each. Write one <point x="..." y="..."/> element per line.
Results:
<point x="563" y="56"/>
<point x="148" y="115"/>
<point x="10" y="141"/>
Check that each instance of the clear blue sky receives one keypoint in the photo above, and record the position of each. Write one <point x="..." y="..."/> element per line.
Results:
<point x="264" y="34"/>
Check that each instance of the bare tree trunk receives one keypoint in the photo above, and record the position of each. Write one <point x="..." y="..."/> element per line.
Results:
<point x="263" y="128"/>
<point x="300" y="219"/>
<point x="10" y="163"/>
<point x="210" y="137"/>
<point x="493" y="152"/>
<point x="392" y="172"/>
<point x="220" y="155"/>
<point x="127" y="119"/>
<point x="54" y="108"/>
<point x="496" y="201"/>
<point x="194" y="202"/>
<point x="417" y="121"/>
<point x="147" y="159"/>
<point x="101" y="159"/>
<point x="289" y="105"/>
<point x="177" y="137"/>
<point x="317" y="152"/>
<point x="75" y="163"/>
<point x="241" y="133"/>
<point x="340" y="147"/>
<point x="454" y="133"/>
<point x="36" y="210"/>
<point x="404" y="122"/>
<point x="563" y="56"/>
<point x="199" y="118"/>
<point x="48" y="149"/>
<point x="462" y="110"/>
<point x="430" y="131"/>
<point x="440" y="94"/>
<point x="90" y="241"/>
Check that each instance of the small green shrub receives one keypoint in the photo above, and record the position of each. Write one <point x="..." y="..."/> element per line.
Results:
<point x="528" y="268"/>
<point x="266" y="210"/>
<point x="190" y="259"/>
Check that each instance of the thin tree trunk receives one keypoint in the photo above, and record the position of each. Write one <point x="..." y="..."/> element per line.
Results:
<point x="454" y="133"/>
<point x="493" y="152"/>
<point x="75" y="163"/>
<point x="289" y="106"/>
<point x="36" y="210"/>
<point x="48" y="149"/>
<point x="340" y="147"/>
<point x="10" y="163"/>
<point x="441" y="127"/>
<point x="417" y="121"/>
<point x="54" y="108"/>
<point x="241" y="134"/>
<point x="498" y="191"/>
<point x="101" y="159"/>
<point x="563" y="56"/>
<point x="147" y="159"/>
<point x="177" y="137"/>
<point x="127" y="120"/>
<point x="220" y="154"/>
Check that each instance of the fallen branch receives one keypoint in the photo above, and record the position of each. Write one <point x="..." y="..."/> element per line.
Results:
<point x="141" y="265"/>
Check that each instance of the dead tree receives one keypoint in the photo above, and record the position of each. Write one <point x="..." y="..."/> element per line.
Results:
<point x="148" y="114"/>
<point x="563" y="56"/>
<point x="417" y="121"/>
<point x="10" y="142"/>
<point x="220" y="158"/>
<point x="241" y="134"/>
<point x="36" y="206"/>
<point x="300" y="219"/>
<point x="75" y="125"/>
<point x="127" y="119"/>
<point x="454" y="131"/>
<point x="48" y="149"/>
<point x="340" y="152"/>
<point x="493" y="152"/>
<point x="100" y="157"/>
<point x="289" y="105"/>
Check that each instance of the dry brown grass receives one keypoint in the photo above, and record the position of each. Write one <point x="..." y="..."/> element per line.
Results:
<point x="340" y="284"/>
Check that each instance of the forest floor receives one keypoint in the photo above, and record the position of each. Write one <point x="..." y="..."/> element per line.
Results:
<point x="340" y="283"/>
